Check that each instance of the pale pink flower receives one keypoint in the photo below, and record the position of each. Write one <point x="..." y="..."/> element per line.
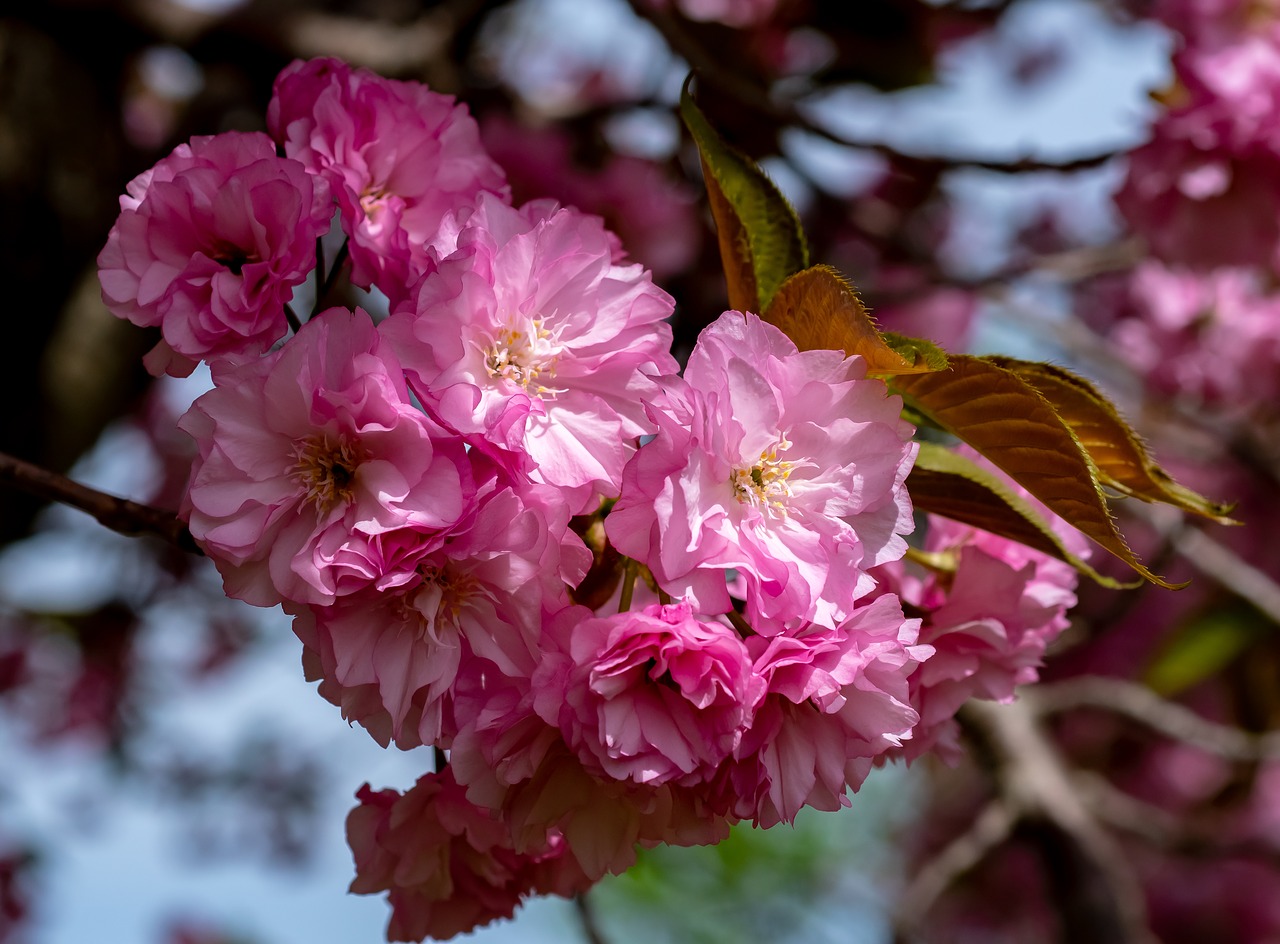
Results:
<point x="836" y="700"/>
<point x="316" y="475"/>
<point x="534" y="344"/>
<point x="446" y="864"/>
<point x="398" y="157"/>
<point x="209" y="246"/>
<point x="650" y="696"/>
<point x="989" y="622"/>
<point x="786" y="466"/>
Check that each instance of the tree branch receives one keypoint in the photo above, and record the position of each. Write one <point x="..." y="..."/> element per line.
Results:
<point x="118" y="514"/>
<point x="1141" y="704"/>
<point x="1101" y="899"/>
<point x="707" y="66"/>
<point x="992" y="827"/>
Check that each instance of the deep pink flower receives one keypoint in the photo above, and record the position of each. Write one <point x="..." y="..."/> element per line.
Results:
<point x="447" y="864"/>
<point x="390" y="658"/>
<point x="650" y="696"/>
<point x="512" y="760"/>
<point x="534" y="344"/>
<point x="786" y="466"/>
<point x="317" y="476"/>
<point x="209" y="246"/>
<point x="398" y="157"/>
<point x="836" y="700"/>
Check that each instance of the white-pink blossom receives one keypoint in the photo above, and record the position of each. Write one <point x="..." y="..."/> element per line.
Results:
<point x="209" y="246"/>
<point x="786" y="466"/>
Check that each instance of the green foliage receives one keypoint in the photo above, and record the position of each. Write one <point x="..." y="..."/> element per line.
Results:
<point x="786" y="884"/>
<point x="1204" y="646"/>
<point x="761" y="242"/>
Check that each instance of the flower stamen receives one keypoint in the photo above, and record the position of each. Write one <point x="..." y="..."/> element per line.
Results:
<point x="765" y="485"/>
<point x="521" y="357"/>
<point x="326" y="469"/>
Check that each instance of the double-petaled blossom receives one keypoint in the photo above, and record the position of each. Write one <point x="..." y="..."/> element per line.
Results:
<point x="836" y="699"/>
<point x="390" y="658"/>
<point x="535" y="344"/>
<point x="398" y="156"/>
<point x="209" y="246"/>
<point x="447" y="865"/>
<point x="1210" y="337"/>
<point x="1205" y="190"/>
<point x="786" y="466"/>
<point x="650" y="696"/>
<point x="317" y="476"/>
<point x="989" y="617"/>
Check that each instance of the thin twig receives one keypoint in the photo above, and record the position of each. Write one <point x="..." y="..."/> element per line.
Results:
<point x="1141" y="704"/>
<point x="587" y="916"/>
<point x="708" y="68"/>
<point x="291" y="316"/>
<point x="1099" y="888"/>
<point x="118" y="514"/>
<point x="992" y="827"/>
<point x="1192" y="836"/>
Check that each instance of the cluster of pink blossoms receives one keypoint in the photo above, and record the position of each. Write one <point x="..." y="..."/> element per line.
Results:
<point x="1205" y="190"/>
<point x="413" y="492"/>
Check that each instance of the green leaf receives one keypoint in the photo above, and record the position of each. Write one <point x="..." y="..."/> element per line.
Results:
<point x="1116" y="449"/>
<point x="1204" y="647"/>
<point x="820" y="310"/>
<point x="1010" y="423"/>
<point x="945" y="483"/>
<point x="761" y="242"/>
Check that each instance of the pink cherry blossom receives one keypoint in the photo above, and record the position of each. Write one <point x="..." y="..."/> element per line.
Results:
<point x="209" y="246"/>
<point x="836" y="700"/>
<point x="398" y="157"/>
<point x="446" y="864"/>
<point x="651" y="696"/>
<point x="786" y="466"/>
<point x="989" y="622"/>
<point x="316" y="474"/>
<point x="390" y="658"/>
<point x="513" y="760"/>
<point x="1205" y="191"/>
<point x="532" y="342"/>
<point x="1212" y="338"/>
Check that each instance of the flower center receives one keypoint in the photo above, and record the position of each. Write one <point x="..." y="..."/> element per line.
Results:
<point x="326" y="469"/>
<point x="764" y="485"/>
<point x="526" y="358"/>
<point x="373" y="200"/>
<point x="232" y="257"/>
<point x="441" y="597"/>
